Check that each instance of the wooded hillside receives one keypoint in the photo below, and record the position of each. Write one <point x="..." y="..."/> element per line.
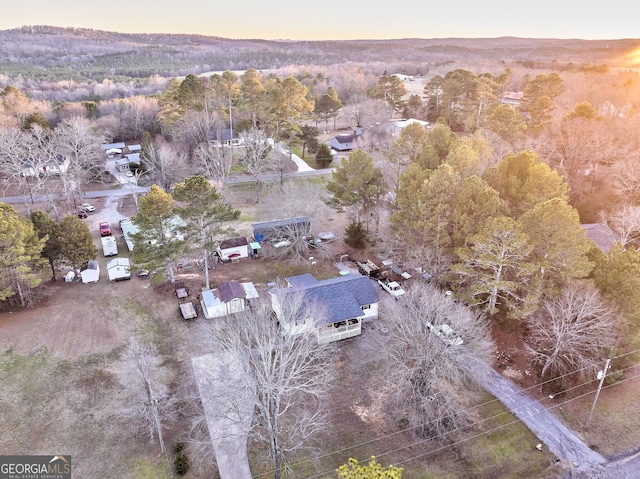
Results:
<point x="54" y="54"/>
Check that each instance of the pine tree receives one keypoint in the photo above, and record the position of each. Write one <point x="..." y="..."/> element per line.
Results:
<point x="20" y="258"/>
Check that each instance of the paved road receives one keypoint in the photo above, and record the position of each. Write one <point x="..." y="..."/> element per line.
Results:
<point x="579" y="460"/>
<point x="227" y="410"/>
<point x="127" y="190"/>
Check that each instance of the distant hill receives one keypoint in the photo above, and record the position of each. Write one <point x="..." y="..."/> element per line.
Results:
<point x="54" y="53"/>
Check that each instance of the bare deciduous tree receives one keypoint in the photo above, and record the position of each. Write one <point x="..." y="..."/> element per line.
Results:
<point x="77" y="141"/>
<point x="165" y="163"/>
<point x="625" y="222"/>
<point x="257" y="155"/>
<point x="154" y="405"/>
<point x="195" y="128"/>
<point x="286" y="377"/>
<point x="277" y="205"/>
<point x="213" y="163"/>
<point x="427" y="361"/>
<point x="24" y="157"/>
<point x="573" y="332"/>
<point x="627" y="179"/>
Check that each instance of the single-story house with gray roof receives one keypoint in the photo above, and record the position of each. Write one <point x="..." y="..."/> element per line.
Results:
<point x="601" y="235"/>
<point x="344" y="142"/>
<point x="344" y="302"/>
<point x="225" y="137"/>
<point x="231" y="297"/>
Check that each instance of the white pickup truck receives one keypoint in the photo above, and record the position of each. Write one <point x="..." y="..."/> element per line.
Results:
<point x="391" y="287"/>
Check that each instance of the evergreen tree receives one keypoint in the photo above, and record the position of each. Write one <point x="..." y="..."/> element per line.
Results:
<point x="390" y="89"/>
<point x="76" y="242"/>
<point x="357" y="183"/>
<point x="523" y="181"/>
<point x="157" y="243"/>
<point x="202" y="209"/>
<point x="559" y="245"/>
<point x="493" y="272"/>
<point x="323" y="155"/>
<point x="20" y="259"/>
<point x="48" y="230"/>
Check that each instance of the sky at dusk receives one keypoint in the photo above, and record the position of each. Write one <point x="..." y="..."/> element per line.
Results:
<point x="332" y="19"/>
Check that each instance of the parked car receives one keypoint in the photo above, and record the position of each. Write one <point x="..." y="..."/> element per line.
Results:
<point x="128" y="173"/>
<point x="105" y="229"/>
<point x="446" y="333"/>
<point x="82" y="214"/>
<point x="89" y="208"/>
<point x="143" y="273"/>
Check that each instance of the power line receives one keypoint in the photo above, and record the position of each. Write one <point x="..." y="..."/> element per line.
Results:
<point x="507" y="411"/>
<point x="467" y="439"/>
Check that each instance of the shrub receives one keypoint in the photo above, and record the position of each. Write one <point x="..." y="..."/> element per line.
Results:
<point x="355" y="235"/>
<point x="181" y="461"/>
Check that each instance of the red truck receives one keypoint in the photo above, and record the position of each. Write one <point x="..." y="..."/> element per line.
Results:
<point x="105" y="229"/>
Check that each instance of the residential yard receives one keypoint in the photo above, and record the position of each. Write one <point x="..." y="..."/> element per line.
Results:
<point x="66" y="389"/>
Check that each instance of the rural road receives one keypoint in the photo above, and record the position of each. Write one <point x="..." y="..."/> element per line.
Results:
<point x="303" y="171"/>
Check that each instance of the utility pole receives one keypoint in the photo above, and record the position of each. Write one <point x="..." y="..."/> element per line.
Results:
<point x="602" y="374"/>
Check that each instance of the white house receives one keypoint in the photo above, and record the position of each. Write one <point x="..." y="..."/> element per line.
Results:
<point x="234" y="248"/>
<point x="113" y="150"/>
<point x="124" y="164"/>
<point x="403" y="77"/>
<point x="225" y="137"/>
<point x="345" y="301"/>
<point x="54" y="165"/>
<point x="119" y="269"/>
<point x="513" y="98"/>
<point x="344" y="142"/>
<point x="129" y="229"/>
<point x="92" y="273"/>
<point x="229" y="298"/>
<point x="397" y="125"/>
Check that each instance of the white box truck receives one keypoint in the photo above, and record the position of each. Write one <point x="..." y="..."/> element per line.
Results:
<point x="109" y="246"/>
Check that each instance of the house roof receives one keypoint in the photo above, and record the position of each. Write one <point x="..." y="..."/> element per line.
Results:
<point x="231" y="290"/>
<point x="279" y="223"/>
<point x="115" y="262"/>
<point x="409" y="121"/>
<point x="513" y="95"/>
<point x="109" y="146"/>
<point x="133" y="157"/>
<point x="601" y="235"/>
<point x="302" y="280"/>
<point x="250" y="290"/>
<point x="209" y="299"/>
<point x="93" y="264"/>
<point x="341" y="297"/>
<point x="233" y="242"/>
<point x="222" y="135"/>
<point x="345" y="138"/>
